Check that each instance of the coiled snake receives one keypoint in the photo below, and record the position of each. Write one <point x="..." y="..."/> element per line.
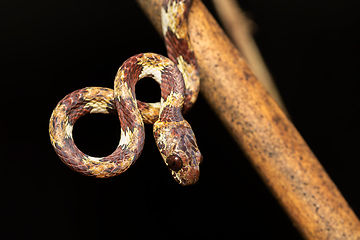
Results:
<point x="179" y="84"/>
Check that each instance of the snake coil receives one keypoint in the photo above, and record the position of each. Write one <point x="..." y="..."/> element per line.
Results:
<point x="179" y="83"/>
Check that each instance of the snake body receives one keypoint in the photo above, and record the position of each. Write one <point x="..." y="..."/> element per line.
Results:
<point x="179" y="84"/>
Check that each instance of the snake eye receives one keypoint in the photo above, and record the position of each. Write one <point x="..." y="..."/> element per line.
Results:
<point x="174" y="162"/>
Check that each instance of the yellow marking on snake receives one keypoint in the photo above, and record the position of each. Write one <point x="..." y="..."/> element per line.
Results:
<point x="125" y="137"/>
<point x="56" y="134"/>
<point x="119" y="76"/>
<point x="174" y="100"/>
<point x="149" y="71"/>
<point x="68" y="129"/>
<point x="147" y="60"/>
<point x="125" y="91"/>
<point x="95" y="159"/>
<point x="99" y="106"/>
<point x="187" y="71"/>
<point x="151" y="67"/>
<point x="170" y="19"/>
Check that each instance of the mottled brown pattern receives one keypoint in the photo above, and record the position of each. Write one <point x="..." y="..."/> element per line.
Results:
<point x="180" y="46"/>
<point x="174" y="136"/>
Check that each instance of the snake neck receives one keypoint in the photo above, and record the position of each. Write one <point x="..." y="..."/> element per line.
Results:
<point x="174" y="21"/>
<point x="172" y="96"/>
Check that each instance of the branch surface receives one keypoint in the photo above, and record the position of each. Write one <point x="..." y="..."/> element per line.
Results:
<point x="238" y="27"/>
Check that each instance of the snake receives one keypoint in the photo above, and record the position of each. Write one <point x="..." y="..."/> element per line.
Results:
<point x="178" y="77"/>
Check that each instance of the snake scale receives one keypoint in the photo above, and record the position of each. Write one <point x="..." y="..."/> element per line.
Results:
<point x="178" y="78"/>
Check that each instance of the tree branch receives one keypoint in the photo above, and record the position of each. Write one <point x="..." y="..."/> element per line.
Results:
<point x="262" y="130"/>
<point x="238" y="26"/>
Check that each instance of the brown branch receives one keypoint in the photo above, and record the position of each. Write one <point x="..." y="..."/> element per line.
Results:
<point x="270" y="140"/>
<point x="238" y="26"/>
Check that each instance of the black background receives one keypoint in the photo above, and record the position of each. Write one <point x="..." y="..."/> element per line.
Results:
<point x="51" y="48"/>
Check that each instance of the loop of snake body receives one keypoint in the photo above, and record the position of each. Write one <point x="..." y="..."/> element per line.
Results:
<point x="179" y="84"/>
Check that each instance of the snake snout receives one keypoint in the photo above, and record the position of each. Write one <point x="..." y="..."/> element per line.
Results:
<point x="190" y="176"/>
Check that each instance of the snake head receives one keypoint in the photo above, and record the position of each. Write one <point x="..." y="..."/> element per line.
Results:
<point x="177" y="145"/>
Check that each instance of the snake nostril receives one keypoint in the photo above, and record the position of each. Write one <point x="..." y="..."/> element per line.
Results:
<point x="148" y="90"/>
